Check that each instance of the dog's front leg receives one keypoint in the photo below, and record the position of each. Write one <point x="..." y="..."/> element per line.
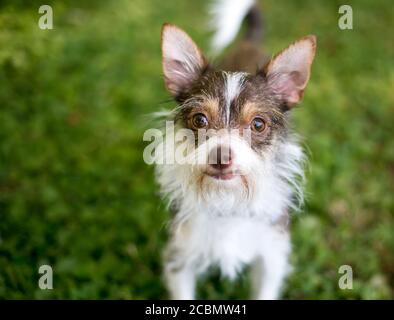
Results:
<point x="180" y="282"/>
<point x="268" y="273"/>
<point x="180" y="276"/>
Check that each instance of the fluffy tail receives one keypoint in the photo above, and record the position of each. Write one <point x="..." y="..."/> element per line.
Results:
<point x="227" y="17"/>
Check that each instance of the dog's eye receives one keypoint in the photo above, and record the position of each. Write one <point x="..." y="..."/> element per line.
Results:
<point x="199" y="121"/>
<point x="258" y="124"/>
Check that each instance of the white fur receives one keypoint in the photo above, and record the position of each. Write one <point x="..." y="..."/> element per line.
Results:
<point x="222" y="223"/>
<point x="227" y="16"/>
<point x="230" y="243"/>
<point x="234" y="81"/>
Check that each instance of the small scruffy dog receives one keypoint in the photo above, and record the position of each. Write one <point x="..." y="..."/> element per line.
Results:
<point x="231" y="210"/>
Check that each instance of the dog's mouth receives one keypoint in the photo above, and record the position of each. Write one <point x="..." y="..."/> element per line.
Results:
<point x="229" y="177"/>
<point x="223" y="174"/>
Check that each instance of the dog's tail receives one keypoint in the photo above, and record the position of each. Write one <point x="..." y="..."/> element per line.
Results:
<point x="227" y="18"/>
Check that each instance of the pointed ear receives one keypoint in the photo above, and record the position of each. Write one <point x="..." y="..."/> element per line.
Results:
<point x="183" y="61"/>
<point x="288" y="72"/>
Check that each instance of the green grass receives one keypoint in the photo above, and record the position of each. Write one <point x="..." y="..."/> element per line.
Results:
<point x="75" y="193"/>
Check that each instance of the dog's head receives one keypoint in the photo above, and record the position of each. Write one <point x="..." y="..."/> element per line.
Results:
<point x="238" y="121"/>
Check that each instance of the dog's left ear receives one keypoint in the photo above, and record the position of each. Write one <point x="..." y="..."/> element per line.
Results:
<point x="288" y="72"/>
<point x="183" y="62"/>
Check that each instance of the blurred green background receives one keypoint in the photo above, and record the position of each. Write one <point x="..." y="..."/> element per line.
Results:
<point x="76" y="194"/>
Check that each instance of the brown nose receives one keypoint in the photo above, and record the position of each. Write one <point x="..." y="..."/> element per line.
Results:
<point x="220" y="158"/>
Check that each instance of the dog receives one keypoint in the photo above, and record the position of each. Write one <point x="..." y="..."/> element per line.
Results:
<point x="232" y="210"/>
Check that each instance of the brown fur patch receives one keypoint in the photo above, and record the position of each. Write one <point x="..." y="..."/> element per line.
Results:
<point x="246" y="57"/>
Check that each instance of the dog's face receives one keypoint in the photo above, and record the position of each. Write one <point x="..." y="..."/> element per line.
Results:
<point x="239" y="120"/>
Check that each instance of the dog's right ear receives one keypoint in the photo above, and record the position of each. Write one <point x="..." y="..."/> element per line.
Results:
<point x="288" y="72"/>
<point x="183" y="62"/>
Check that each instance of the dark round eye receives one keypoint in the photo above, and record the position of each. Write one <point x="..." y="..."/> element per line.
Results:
<point x="199" y="121"/>
<point x="258" y="124"/>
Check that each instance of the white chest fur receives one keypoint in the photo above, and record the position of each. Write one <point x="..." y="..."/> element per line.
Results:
<point x="228" y="242"/>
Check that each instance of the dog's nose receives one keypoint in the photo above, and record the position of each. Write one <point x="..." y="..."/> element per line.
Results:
<point x="221" y="157"/>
